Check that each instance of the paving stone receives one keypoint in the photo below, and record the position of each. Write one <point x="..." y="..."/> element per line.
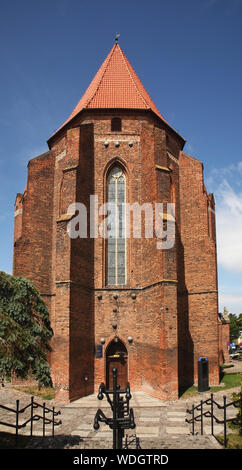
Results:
<point x="175" y="419"/>
<point x="104" y="435"/>
<point x="149" y="419"/>
<point x="85" y="428"/>
<point x="177" y="430"/>
<point x="158" y="424"/>
<point x="40" y="433"/>
<point x="148" y="412"/>
<point x="218" y="429"/>
<point x="6" y="429"/>
<point x="147" y="429"/>
<point x="80" y="433"/>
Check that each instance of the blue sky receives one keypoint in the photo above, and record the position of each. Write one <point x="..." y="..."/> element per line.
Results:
<point x="188" y="54"/>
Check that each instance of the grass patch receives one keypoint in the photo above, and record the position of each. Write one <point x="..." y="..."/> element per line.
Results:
<point x="47" y="393"/>
<point x="226" y="366"/>
<point x="189" y="392"/>
<point x="229" y="381"/>
<point x="234" y="441"/>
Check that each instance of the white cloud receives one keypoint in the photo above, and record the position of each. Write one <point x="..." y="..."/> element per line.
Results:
<point x="28" y="154"/>
<point x="240" y="167"/>
<point x="229" y="227"/>
<point x="231" y="172"/>
<point x="190" y="148"/>
<point x="225" y="183"/>
<point x="232" y="301"/>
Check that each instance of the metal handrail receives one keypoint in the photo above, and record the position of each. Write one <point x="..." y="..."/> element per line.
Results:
<point x="130" y="440"/>
<point x="33" y="417"/>
<point x="210" y="414"/>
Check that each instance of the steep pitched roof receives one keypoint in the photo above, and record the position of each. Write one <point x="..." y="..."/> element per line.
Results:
<point x="115" y="86"/>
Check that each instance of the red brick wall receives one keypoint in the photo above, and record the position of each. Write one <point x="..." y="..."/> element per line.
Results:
<point x="224" y="339"/>
<point x="198" y="323"/>
<point x="153" y="353"/>
<point x="32" y="251"/>
<point x="87" y="267"/>
<point x="168" y="331"/>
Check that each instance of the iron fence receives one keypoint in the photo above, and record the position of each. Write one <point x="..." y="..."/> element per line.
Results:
<point x="210" y="413"/>
<point x="129" y="440"/>
<point x="33" y="405"/>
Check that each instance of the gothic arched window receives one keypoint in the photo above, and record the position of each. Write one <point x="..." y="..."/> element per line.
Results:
<point x="116" y="243"/>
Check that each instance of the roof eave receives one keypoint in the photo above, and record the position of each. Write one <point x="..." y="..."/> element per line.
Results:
<point x="183" y="141"/>
<point x="64" y="126"/>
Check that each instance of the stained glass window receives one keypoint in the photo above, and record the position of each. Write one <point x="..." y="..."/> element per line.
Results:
<point x="116" y="243"/>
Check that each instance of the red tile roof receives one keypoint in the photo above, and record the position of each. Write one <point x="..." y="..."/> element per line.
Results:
<point x="115" y="86"/>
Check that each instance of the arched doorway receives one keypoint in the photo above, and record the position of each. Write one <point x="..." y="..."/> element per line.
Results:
<point x="116" y="357"/>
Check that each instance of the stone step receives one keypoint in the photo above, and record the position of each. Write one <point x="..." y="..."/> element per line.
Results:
<point x="81" y="433"/>
<point x="149" y="419"/>
<point x="146" y="405"/>
<point x="7" y="429"/>
<point x="177" y="430"/>
<point x="138" y="399"/>
<point x="217" y="429"/>
<point x="178" y="419"/>
<point x="85" y="427"/>
<point x="140" y="430"/>
<point x="39" y="433"/>
<point x="176" y="413"/>
<point x="94" y="405"/>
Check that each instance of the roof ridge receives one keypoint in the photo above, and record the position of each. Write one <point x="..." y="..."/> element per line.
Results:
<point x="102" y="75"/>
<point x="126" y="65"/>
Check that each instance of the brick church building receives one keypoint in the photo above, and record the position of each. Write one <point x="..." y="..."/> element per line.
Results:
<point x="121" y="301"/>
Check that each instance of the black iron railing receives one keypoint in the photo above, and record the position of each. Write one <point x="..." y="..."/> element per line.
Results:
<point x="129" y="440"/>
<point x="123" y="416"/>
<point x="199" y="413"/>
<point x="33" y="405"/>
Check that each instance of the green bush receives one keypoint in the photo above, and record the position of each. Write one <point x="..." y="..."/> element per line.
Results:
<point x="25" y="330"/>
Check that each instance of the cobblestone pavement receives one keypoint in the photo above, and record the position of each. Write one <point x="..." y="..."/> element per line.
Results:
<point x="237" y="366"/>
<point x="159" y="424"/>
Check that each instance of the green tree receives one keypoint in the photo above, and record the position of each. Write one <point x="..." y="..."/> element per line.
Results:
<point x="234" y="326"/>
<point x="240" y="320"/>
<point x="25" y="330"/>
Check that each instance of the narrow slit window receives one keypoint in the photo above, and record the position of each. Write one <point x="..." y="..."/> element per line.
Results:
<point x="116" y="124"/>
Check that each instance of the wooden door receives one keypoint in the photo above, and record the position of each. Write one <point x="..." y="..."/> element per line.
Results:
<point x="116" y="357"/>
<point x="119" y="363"/>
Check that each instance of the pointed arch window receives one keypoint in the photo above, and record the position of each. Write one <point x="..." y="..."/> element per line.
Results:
<point x="116" y="243"/>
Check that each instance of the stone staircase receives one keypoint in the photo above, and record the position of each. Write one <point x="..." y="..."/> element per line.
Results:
<point x="158" y="424"/>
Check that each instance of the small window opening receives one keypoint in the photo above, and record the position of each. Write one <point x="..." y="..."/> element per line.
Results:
<point x="116" y="124"/>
